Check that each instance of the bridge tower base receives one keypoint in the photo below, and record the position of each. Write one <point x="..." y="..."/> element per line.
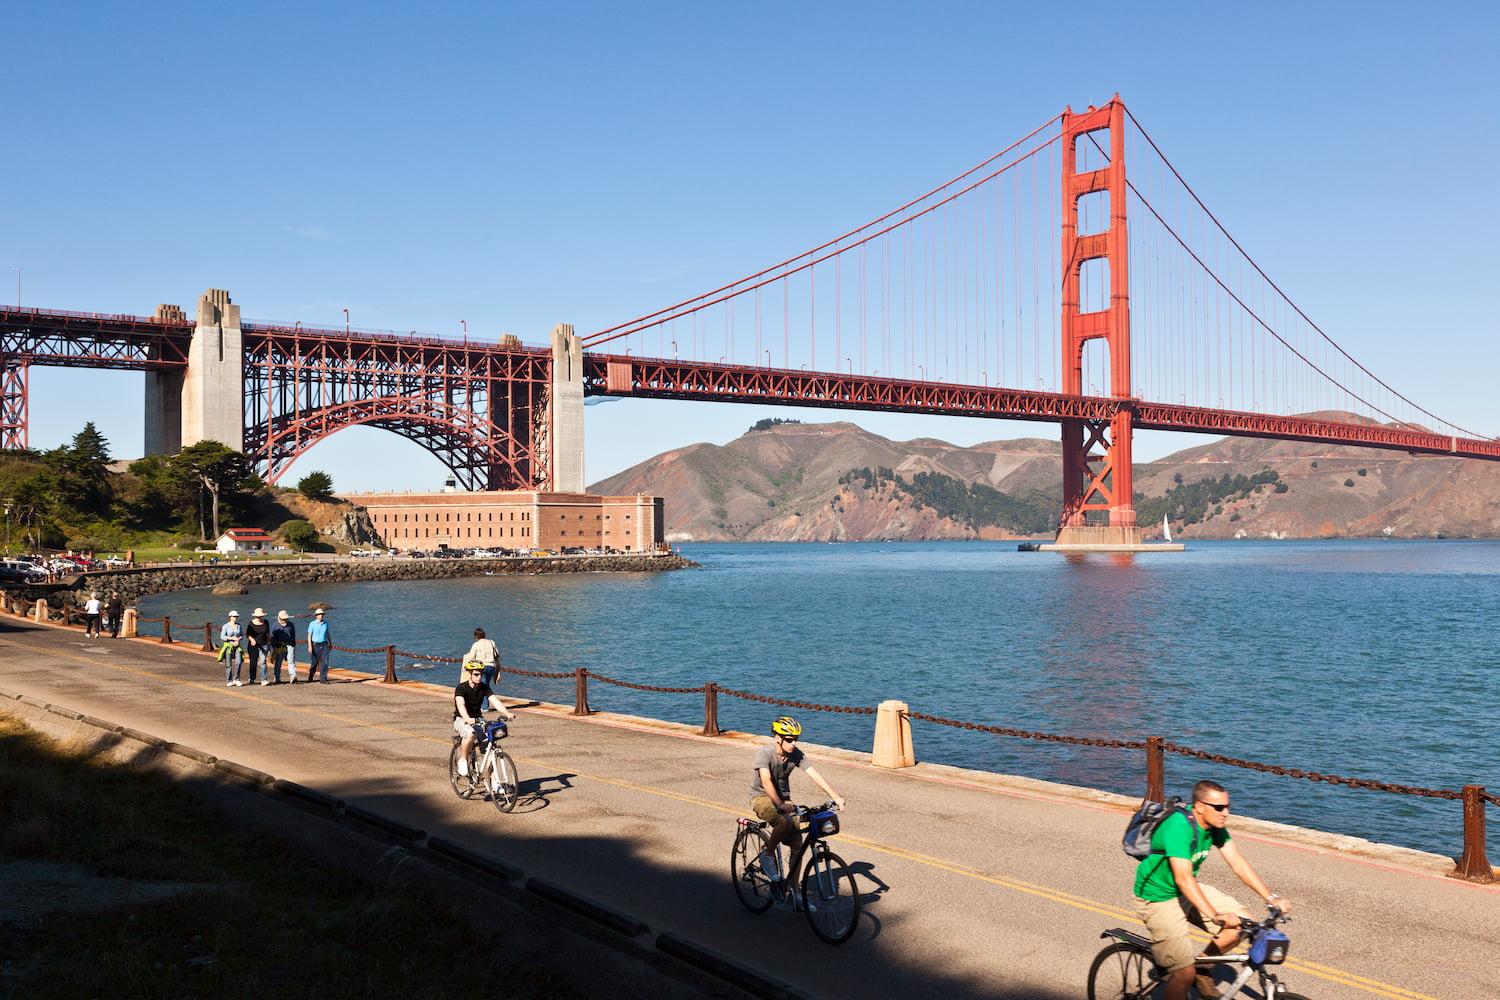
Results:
<point x="566" y="417"/>
<point x="205" y="402"/>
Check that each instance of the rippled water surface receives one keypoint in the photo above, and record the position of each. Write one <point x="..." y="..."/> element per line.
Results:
<point x="1369" y="659"/>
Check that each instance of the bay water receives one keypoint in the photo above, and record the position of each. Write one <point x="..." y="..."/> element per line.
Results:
<point x="1371" y="659"/>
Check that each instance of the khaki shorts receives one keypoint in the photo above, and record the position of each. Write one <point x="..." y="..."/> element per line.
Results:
<point x="766" y="811"/>
<point x="1170" y="923"/>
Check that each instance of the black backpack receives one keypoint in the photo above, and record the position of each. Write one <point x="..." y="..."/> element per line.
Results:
<point x="1145" y="820"/>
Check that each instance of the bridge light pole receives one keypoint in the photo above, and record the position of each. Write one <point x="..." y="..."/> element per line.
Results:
<point x="346" y="320"/>
<point x="674" y="350"/>
<point x="17" y="269"/>
<point x="851" y="365"/>
<point x="768" y="359"/>
<point x="465" y="324"/>
<point x="923" y="369"/>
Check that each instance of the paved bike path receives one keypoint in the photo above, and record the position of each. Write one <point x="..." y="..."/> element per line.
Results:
<point x="972" y="888"/>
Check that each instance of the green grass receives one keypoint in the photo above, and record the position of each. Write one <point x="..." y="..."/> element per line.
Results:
<point x="270" y="924"/>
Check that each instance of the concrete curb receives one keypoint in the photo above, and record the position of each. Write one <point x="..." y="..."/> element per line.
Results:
<point x="623" y="932"/>
<point x="622" y="923"/>
<point x="446" y="848"/>
<point x="386" y="825"/>
<point x="108" y="727"/>
<point x="747" y="979"/>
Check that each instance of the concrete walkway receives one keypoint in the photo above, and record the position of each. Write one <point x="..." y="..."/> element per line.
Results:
<point x="976" y="885"/>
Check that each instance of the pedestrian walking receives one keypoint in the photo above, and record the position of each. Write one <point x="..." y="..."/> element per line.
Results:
<point x="91" y="612"/>
<point x="115" y="609"/>
<point x="258" y="643"/>
<point x="318" y="641"/>
<point x="284" y="646"/>
<point x="230" y="651"/>
<point x="484" y="651"/>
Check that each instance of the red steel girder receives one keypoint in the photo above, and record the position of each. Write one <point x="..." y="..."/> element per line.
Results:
<point x="93" y="340"/>
<point x="13" y="407"/>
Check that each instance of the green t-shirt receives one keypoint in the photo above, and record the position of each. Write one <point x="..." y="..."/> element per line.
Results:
<point x="1177" y="837"/>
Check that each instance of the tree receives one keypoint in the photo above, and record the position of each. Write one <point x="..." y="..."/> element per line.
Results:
<point x="222" y="476"/>
<point x="316" y="486"/>
<point x="81" y="482"/>
<point x="300" y="535"/>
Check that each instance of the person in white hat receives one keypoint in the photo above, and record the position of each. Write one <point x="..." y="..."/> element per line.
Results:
<point x="230" y="651"/>
<point x="319" y="639"/>
<point x="258" y="639"/>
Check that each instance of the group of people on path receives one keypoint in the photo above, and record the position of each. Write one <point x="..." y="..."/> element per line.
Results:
<point x="262" y="648"/>
<point x="101" y="614"/>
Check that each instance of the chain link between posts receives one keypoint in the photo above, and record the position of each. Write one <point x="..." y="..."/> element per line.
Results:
<point x="645" y="687"/>
<point x="1027" y="734"/>
<point x="806" y="706"/>
<point x="1332" y="779"/>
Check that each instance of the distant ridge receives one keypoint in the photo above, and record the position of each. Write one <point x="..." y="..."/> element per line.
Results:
<point x="837" y="481"/>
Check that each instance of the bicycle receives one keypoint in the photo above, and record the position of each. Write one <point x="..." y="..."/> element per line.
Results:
<point x="490" y="768"/>
<point x="826" y="893"/>
<point x="1128" y="962"/>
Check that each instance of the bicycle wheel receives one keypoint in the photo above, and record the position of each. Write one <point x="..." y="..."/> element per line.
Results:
<point x="1284" y="995"/>
<point x="829" y="896"/>
<point x="750" y="883"/>
<point x="462" y="786"/>
<point x="503" y="781"/>
<point x="1122" y="972"/>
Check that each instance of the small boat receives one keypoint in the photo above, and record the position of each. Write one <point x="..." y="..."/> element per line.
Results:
<point x="1029" y="547"/>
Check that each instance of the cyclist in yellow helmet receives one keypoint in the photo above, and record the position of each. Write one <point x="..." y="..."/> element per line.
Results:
<point x="770" y="789"/>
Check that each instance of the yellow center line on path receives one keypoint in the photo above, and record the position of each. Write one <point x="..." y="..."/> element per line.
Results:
<point x="1329" y="973"/>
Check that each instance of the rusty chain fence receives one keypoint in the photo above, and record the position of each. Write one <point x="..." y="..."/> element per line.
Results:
<point x="1472" y="863"/>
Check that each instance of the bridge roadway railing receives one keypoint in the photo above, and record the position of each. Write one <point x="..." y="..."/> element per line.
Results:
<point x="1472" y="864"/>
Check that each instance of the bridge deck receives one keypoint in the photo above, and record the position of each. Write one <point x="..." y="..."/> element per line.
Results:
<point x="977" y="886"/>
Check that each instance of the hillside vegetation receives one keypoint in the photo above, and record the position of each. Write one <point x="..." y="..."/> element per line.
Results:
<point x="835" y="481"/>
<point x="77" y="497"/>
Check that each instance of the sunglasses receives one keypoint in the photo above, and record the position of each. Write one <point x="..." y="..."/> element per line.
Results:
<point x="1216" y="807"/>
<point x="787" y="739"/>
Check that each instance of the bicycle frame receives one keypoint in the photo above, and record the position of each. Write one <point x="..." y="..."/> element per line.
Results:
<point x="1257" y="935"/>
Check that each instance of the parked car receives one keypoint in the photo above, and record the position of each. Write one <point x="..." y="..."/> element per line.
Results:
<point x="16" y="571"/>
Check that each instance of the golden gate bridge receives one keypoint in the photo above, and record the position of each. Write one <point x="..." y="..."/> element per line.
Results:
<point x="1073" y="277"/>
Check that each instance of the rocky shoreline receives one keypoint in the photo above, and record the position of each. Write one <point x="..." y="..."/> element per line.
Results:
<point x="134" y="584"/>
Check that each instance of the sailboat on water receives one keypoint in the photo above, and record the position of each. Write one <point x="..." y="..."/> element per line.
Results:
<point x="1166" y="529"/>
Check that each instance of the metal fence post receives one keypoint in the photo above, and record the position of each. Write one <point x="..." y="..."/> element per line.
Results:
<point x="1474" y="865"/>
<point x="1156" y="770"/>
<point x="166" y="630"/>
<point x="390" y="666"/>
<point x="710" y="709"/>
<point x="581" y="692"/>
<point x="208" y="637"/>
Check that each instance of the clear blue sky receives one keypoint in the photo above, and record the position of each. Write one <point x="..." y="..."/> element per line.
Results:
<point x="531" y="164"/>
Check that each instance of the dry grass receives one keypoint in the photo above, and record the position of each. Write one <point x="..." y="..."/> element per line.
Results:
<point x="273" y="925"/>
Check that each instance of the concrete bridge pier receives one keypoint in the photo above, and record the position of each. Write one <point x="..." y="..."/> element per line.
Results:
<point x="207" y="401"/>
<point x="567" y="411"/>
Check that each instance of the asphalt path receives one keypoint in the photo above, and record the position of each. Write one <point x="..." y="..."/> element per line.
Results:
<point x="972" y="886"/>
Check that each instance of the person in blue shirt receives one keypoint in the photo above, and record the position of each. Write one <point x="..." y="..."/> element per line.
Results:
<point x="318" y="642"/>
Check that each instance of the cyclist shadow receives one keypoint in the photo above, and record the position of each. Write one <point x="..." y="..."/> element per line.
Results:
<point x="872" y="887"/>
<point x="533" y="794"/>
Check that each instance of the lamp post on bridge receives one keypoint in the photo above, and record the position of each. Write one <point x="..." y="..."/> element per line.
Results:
<point x="851" y="365"/>
<point x="17" y="269"/>
<point x="768" y="358"/>
<point x="346" y="321"/>
<point x="923" y="369"/>
<point x="674" y="350"/>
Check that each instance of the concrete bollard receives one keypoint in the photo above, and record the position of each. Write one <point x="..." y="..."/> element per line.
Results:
<point x="128" y="628"/>
<point x="893" y="747"/>
<point x="39" y="610"/>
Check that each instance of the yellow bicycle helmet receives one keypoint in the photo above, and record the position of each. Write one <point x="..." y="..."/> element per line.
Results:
<point x="786" y="726"/>
<point x="474" y="666"/>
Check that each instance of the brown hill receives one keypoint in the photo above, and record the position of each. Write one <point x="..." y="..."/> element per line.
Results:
<point x="833" y="481"/>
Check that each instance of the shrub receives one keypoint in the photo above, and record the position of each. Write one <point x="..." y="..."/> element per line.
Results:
<point x="1282" y="487"/>
<point x="1235" y="516"/>
<point x="1315" y="465"/>
<point x="300" y="535"/>
<point x="1348" y="482"/>
<point x="1364" y="472"/>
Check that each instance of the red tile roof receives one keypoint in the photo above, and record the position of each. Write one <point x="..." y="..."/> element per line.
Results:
<point x="249" y="535"/>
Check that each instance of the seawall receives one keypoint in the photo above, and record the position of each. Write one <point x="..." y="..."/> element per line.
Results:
<point x="133" y="584"/>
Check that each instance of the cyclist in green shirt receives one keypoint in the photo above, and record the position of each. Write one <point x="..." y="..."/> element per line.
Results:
<point x="1169" y="897"/>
